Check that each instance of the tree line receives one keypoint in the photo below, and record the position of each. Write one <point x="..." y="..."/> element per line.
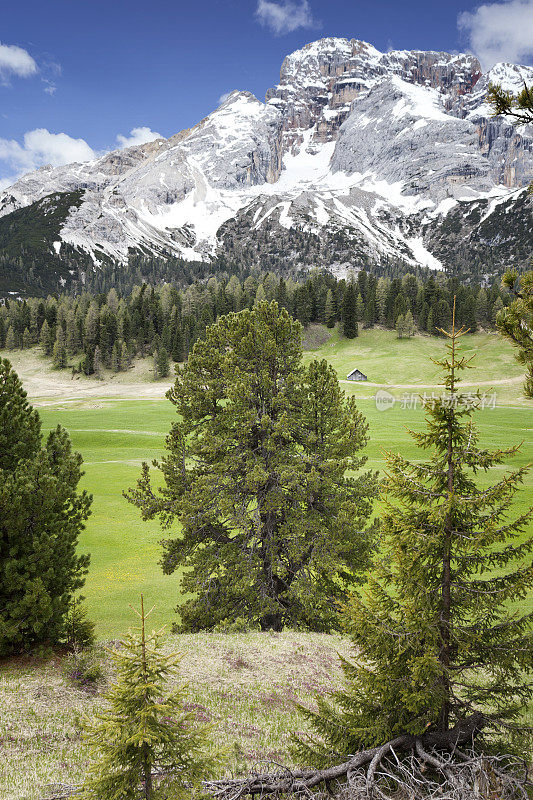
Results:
<point x="109" y="330"/>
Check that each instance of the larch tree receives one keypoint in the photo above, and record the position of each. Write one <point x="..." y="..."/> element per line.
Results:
<point x="443" y="649"/>
<point x="400" y="327"/>
<point x="263" y="472"/>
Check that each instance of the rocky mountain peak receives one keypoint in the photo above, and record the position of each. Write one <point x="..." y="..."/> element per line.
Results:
<point x="362" y="146"/>
<point x="319" y="82"/>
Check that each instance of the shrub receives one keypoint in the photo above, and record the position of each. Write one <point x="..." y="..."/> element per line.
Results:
<point x="84" y="669"/>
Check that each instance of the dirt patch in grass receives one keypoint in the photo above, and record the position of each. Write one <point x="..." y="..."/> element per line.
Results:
<point x="315" y="336"/>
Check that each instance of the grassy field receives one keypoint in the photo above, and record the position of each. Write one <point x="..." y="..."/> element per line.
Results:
<point x="115" y="434"/>
<point x="245" y="684"/>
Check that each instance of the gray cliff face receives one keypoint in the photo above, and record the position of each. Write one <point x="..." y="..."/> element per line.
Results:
<point x="404" y="134"/>
<point x="318" y="83"/>
<point x="352" y="144"/>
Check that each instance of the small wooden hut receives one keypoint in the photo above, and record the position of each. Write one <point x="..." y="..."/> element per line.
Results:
<point x="356" y="375"/>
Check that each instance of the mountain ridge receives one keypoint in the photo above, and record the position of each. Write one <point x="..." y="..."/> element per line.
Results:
<point x="378" y="147"/>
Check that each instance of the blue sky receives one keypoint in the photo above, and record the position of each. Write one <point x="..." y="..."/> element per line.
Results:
<point x="77" y="74"/>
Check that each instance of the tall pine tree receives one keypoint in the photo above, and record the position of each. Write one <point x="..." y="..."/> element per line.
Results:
<point x="41" y="517"/>
<point x="349" y="312"/>
<point x="273" y="525"/>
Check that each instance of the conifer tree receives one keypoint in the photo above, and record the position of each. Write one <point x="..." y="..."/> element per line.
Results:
<point x="302" y="305"/>
<point x="11" y="339"/>
<point x="260" y="295"/>
<point x="41" y="517"/>
<point x="46" y="339"/>
<point x="330" y="313"/>
<point x="497" y="308"/>
<point x="410" y="328"/>
<point x="115" y="358"/>
<point x="273" y="527"/>
<point x="516" y="322"/>
<point x="177" y="344"/>
<point x="400" y="326"/>
<point x="430" y="326"/>
<point x="73" y="342"/>
<point x="281" y="295"/>
<point x="360" y="308"/>
<point x="161" y="363"/>
<point x="59" y="353"/>
<point x="125" y="360"/>
<point x="438" y="648"/>
<point x="26" y="339"/>
<point x="97" y="360"/>
<point x="349" y="312"/>
<point x="145" y="742"/>
<point x="482" y="307"/>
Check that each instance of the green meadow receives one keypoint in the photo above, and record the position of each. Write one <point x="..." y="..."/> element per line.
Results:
<point x="244" y="684"/>
<point x="116" y="435"/>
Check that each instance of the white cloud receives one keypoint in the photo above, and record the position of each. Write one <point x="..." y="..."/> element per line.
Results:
<point x="138" y="136"/>
<point x="40" y="147"/>
<point x="500" y="31"/>
<point x="285" y="16"/>
<point x="49" y="87"/>
<point x="15" y="61"/>
<point x="223" y="98"/>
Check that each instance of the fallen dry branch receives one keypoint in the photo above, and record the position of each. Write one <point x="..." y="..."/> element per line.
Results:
<point x="429" y="767"/>
<point x="394" y="772"/>
<point x="406" y="768"/>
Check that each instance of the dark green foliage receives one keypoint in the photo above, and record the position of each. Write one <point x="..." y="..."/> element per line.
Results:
<point x="330" y="315"/>
<point x="41" y="517"/>
<point x="28" y="260"/>
<point x="434" y="636"/>
<point x="146" y="729"/>
<point x="272" y="528"/>
<point x="161" y="363"/>
<point x="91" y="332"/>
<point x="516" y="322"/>
<point x="20" y="426"/>
<point x="349" y="312"/>
<point x="79" y="629"/>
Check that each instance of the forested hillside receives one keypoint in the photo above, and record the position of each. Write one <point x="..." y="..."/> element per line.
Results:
<point x="91" y="331"/>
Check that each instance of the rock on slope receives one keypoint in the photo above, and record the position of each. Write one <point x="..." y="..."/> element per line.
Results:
<point x="374" y="149"/>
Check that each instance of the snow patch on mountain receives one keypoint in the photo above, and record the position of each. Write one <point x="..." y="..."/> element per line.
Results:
<point x="350" y="139"/>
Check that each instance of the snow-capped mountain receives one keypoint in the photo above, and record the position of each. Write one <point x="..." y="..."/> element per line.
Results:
<point x="376" y="148"/>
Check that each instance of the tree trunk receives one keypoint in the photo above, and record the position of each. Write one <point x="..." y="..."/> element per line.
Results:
<point x="445" y="620"/>
<point x="145" y="750"/>
<point x="271" y="622"/>
<point x="147" y="770"/>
